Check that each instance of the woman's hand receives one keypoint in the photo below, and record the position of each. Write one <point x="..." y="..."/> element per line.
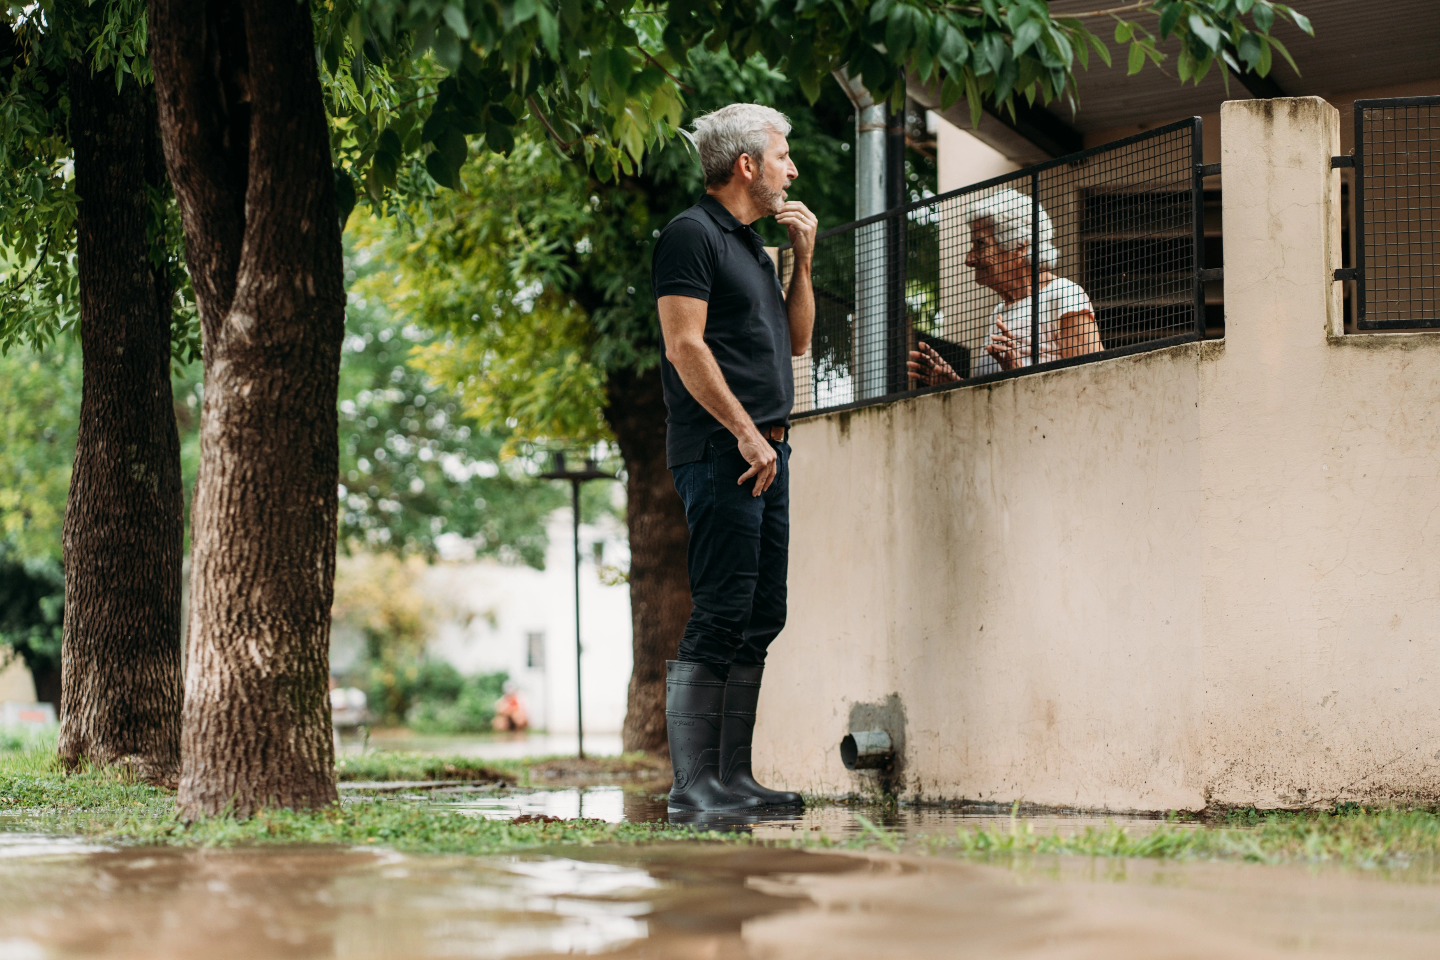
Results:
<point x="1008" y="350"/>
<point x="929" y="368"/>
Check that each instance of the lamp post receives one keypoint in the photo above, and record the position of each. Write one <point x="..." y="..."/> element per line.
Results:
<point x="577" y="478"/>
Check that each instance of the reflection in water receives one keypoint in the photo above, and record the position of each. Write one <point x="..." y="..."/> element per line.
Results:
<point x="598" y="803"/>
<point x="835" y="822"/>
<point x="316" y="902"/>
<point x="684" y="900"/>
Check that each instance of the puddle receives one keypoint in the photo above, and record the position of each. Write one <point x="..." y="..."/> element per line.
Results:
<point x="837" y="822"/>
<point x="18" y="845"/>
<point x="676" y="900"/>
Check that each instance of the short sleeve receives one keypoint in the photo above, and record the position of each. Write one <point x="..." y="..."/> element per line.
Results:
<point x="684" y="260"/>
<point x="1069" y="297"/>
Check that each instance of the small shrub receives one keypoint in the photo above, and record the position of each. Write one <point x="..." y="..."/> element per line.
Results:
<point x="470" y="710"/>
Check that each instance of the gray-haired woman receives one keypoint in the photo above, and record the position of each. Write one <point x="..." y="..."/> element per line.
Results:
<point x="1001" y="231"/>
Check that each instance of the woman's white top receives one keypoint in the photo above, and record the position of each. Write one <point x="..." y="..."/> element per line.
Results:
<point x="1058" y="298"/>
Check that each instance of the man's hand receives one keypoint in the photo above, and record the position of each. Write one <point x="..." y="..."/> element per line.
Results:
<point x="764" y="463"/>
<point x="802" y="225"/>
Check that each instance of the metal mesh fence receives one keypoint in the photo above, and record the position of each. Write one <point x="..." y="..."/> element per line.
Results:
<point x="1397" y="194"/>
<point x="947" y="292"/>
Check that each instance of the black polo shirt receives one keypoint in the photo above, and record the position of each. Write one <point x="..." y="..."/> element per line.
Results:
<point x="707" y="254"/>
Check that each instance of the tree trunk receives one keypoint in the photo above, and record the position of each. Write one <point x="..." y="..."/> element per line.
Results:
<point x="659" y="577"/>
<point x="247" y="148"/>
<point x="124" y="522"/>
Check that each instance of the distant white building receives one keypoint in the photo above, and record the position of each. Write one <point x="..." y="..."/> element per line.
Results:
<point x="493" y="616"/>
<point x="15" y="683"/>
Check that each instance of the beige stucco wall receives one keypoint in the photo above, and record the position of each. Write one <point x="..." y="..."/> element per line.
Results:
<point x="1201" y="575"/>
<point x="15" y="683"/>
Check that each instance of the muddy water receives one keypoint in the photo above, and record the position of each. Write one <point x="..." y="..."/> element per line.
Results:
<point x="60" y="900"/>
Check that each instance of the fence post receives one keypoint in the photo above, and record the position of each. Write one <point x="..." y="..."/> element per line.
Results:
<point x="1034" y="269"/>
<point x="1282" y="232"/>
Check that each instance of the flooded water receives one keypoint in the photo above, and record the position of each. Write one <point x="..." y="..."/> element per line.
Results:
<point x="64" y="900"/>
<point x="836" y="822"/>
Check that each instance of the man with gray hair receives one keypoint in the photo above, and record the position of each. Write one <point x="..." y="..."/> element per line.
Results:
<point x="729" y="331"/>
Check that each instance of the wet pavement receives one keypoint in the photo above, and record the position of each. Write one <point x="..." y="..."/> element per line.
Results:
<point x="60" y="899"/>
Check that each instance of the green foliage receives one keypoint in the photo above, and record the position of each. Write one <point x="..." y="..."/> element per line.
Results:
<point x="39" y="283"/>
<point x="32" y="609"/>
<point x="539" y="277"/>
<point x="413" y="470"/>
<point x="39" y="417"/>
<point x="453" y="703"/>
<point x="600" y="82"/>
<point x="431" y="696"/>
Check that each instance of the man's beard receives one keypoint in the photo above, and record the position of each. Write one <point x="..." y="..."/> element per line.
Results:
<point x="766" y="197"/>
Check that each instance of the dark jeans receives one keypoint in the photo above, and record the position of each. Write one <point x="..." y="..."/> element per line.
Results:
<point x="739" y="556"/>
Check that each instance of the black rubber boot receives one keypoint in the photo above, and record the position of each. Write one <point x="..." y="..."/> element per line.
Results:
<point x="742" y="695"/>
<point x="694" y="703"/>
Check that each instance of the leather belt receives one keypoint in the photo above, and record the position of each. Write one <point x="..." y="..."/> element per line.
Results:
<point x="777" y="433"/>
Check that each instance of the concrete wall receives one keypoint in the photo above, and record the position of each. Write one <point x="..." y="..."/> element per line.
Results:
<point x="1204" y="575"/>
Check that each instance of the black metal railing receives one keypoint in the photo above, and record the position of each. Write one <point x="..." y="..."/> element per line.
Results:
<point x="950" y="287"/>
<point x="1397" y="214"/>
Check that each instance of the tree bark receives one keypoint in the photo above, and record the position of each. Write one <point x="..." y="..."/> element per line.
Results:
<point x="124" y="522"/>
<point x="247" y="147"/>
<point x="659" y="574"/>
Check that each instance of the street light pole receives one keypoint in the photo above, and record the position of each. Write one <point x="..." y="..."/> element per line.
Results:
<point x="577" y="478"/>
<point x="575" y="543"/>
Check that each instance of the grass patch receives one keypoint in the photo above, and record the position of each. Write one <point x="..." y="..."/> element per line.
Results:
<point x="1350" y="836"/>
<point x="106" y="806"/>
<point x="392" y="767"/>
<point x="540" y="773"/>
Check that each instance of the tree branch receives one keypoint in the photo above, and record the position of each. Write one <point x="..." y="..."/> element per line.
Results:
<point x="1139" y="7"/>
<point x="661" y="67"/>
<point x="566" y="146"/>
<point x="39" y="262"/>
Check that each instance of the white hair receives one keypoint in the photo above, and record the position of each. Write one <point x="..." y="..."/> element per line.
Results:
<point x="1008" y="212"/>
<point x="725" y="134"/>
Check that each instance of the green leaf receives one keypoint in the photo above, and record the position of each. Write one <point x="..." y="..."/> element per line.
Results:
<point x="1284" y="53"/>
<point x="447" y="49"/>
<point x="1243" y="6"/>
<point x="1249" y="49"/>
<point x="621" y="68"/>
<point x="900" y="31"/>
<point x="1124" y="31"/>
<point x="454" y="15"/>
<point x="1137" y="59"/>
<point x="1205" y="32"/>
<point x="810" y="86"/>
<point x="452" y="147"/>
<point x="1302" y="21"/>
<point x="441" y="172"/>
<point x="549" y="31"/>
<point x="1170" y="19"/>
<point x="995" y="50"/>
<point x="524" y="10"/>
<point x="344" y="194"/>
<point x="1264" y="16"/>
<point x="499" y="138"/>
<point x="954" y="49"/>
<point x="1102" y="50"/>
<point x="1026" y="35"/>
